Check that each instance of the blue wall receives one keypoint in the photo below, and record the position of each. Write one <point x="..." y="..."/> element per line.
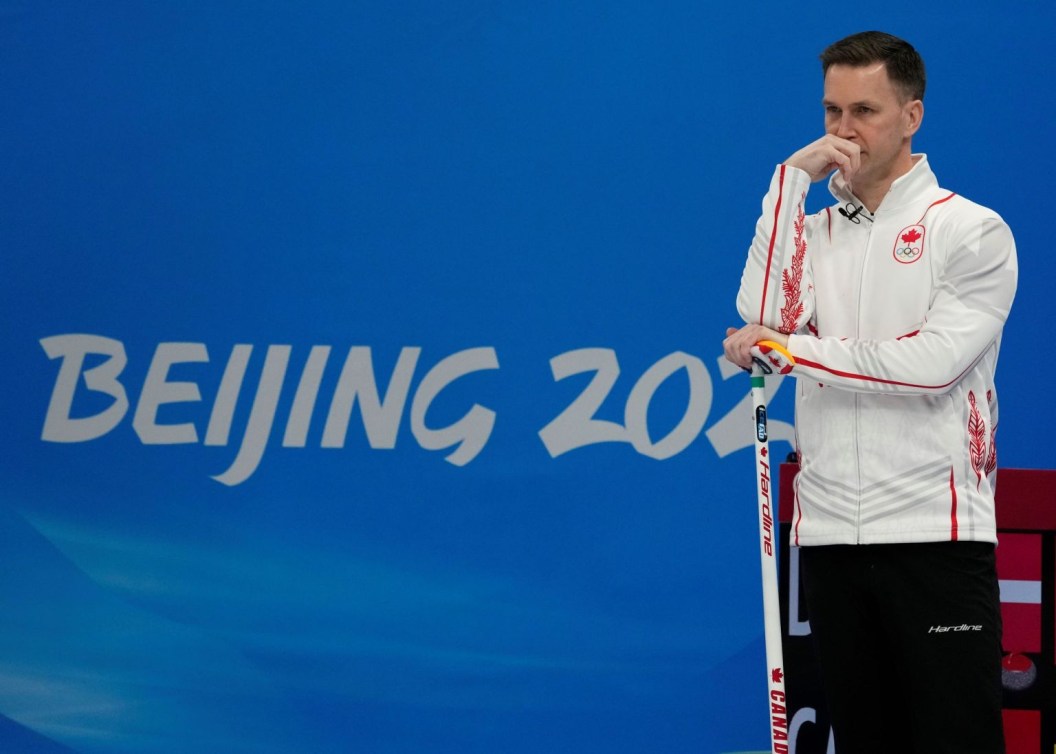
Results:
<point x="513" y="232"/>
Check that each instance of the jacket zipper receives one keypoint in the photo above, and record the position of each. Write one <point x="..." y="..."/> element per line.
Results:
<point x="857" y="395"/>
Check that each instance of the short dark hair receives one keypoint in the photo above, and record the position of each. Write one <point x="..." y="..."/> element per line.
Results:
<point x="904" y="65"/>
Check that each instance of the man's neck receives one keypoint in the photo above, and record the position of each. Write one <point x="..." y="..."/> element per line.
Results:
<point x="873" y="193"/>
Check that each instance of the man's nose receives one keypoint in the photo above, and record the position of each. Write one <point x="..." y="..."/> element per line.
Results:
<point x="845" y="126"/>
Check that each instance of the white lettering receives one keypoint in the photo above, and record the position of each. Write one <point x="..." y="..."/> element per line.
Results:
<point x="157" y="390"/>
<point x="471" y="432"/>
<point x="945" y="629"/>
<point x="803" y="716"/>
<point x="381" y="418"/>
<point x="74" y="416"/>
<point x="304" y="401"/>
<point x="261" y="416"/>
<point x="637" y="409"/>
<point x="227" y="397"/>
<point x="796" y="627"/>
<point x="576" y="427"/>
<point x="59" y="426"/>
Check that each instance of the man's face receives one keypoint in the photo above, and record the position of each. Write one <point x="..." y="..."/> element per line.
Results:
<point x="863" y="106"/>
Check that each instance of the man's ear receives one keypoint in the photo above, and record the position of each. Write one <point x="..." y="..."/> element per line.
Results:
<point x="914" y="114"/>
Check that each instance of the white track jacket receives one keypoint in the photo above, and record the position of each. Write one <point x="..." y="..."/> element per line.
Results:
<point x="895" y="324"/>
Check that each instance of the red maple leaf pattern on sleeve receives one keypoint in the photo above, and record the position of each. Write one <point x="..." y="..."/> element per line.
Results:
<point x="976" y="439"/>
<point x="792" y="277"/>
<point x="991" y="457"/>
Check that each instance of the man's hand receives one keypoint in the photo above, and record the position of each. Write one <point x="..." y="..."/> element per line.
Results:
<point x="826" y="154"/>
<point x="738" y="343"/>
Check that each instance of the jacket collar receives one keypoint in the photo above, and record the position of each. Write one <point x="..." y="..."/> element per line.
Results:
<point x="905" y="190"/>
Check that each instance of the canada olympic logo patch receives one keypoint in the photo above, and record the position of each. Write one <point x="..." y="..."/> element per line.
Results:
<point x="909" y="246"/>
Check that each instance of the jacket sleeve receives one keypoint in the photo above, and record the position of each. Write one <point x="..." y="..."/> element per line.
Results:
<point x="776" y="289"/>
<point x="971" y="301"/>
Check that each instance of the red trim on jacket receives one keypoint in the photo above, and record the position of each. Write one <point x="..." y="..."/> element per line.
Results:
<point x="868" y="378"/>
<point x="799" y="517"/>
<point x="933" y="204"/>
<point x="953" y="509"/>
<point x="773" y="240"/>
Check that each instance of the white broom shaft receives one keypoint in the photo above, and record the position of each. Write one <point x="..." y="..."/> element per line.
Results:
<point x="768" y="551"/>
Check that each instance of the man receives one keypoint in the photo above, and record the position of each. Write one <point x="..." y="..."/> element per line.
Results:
<point x="892" y="303"/>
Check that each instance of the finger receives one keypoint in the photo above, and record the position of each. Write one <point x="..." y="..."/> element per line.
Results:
<point x="840" y="161"/>
<point x="855" y="158"/>
<point x="851" y="151"/>
<point x="737" y="348"/>
<point x="731" y="349"/>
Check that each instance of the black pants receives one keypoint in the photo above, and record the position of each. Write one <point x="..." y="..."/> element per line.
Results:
<point x="909" y="641"/>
